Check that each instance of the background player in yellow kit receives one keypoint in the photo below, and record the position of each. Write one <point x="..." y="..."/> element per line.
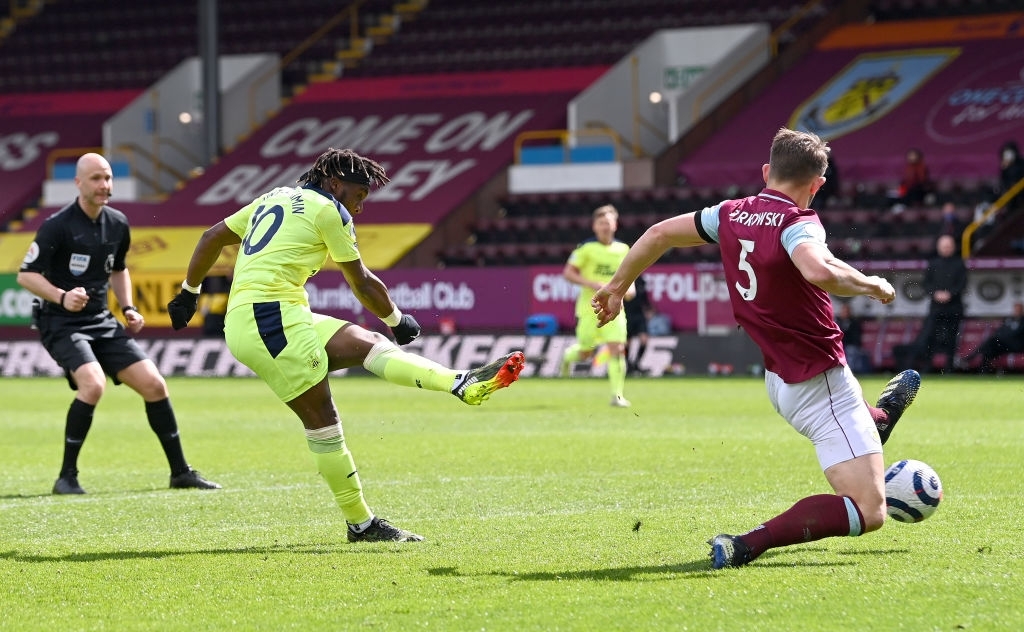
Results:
<point x="590" y="266"/>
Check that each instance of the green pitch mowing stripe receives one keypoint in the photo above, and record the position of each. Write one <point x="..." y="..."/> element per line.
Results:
<point x="543" y="509"/>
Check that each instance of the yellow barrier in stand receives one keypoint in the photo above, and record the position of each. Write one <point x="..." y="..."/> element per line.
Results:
<point x="168" y="249"/>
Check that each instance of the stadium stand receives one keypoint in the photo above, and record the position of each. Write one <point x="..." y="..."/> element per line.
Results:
<point x="859" y="222"/>
<point x="881" y="336"/>
<point x="468" y="36"/>
<point x="82" y="45"/>
<point x="889" y="10"/>
<point x="126" y="46"/>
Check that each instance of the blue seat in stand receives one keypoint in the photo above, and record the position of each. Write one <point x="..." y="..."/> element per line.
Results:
<point x="541" y="325"/>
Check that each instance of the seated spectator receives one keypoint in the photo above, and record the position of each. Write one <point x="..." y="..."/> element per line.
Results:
<point x="830" y="189"/>
<point x="952" y="224"/>
<point x="1011" y="171"/>
<point x="856" y="358"/>
<point x="915" y="184"/>
<point x="1008" y="338"/>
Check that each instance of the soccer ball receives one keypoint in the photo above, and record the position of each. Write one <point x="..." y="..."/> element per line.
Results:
<point x="913" y="491"/>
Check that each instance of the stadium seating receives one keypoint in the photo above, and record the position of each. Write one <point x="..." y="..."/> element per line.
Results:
<point x="881" y="336"/>
<point x="911" y="9"/>
<point x="468" y="35"/>
<point x="854" y="233"/>
<point x="128" y="44"/>
<point x="124" y="44"/>
<point x="84" y="45"/>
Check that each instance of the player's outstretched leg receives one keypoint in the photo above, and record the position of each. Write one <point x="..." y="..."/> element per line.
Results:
<point x="476" y="385"/>
<point x="380" y="530"/>
<point x="896" y="397"/>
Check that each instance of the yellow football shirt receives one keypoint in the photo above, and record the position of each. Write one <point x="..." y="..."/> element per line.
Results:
<point x="287" y="234"/>
<point x="596" y="262"/>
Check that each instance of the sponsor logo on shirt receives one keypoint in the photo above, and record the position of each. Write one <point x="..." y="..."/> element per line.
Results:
<point x="32" y="254"/>
<point x="78" y="264"/>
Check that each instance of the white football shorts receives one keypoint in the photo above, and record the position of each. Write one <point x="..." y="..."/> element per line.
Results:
<point x="829" y="409"/>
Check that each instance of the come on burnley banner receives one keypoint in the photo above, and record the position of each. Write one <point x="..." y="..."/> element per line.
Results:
<point x="439" y="143"/>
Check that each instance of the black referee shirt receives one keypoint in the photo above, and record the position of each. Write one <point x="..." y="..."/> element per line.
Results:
<point x="71" y="250"/>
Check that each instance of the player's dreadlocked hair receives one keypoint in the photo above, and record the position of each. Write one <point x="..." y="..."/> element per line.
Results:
<point x="347" y="165"/>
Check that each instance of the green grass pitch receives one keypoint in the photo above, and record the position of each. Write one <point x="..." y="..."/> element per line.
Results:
<point x="544" y="509"/>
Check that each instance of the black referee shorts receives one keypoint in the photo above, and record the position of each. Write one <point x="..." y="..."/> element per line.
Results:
<point x="636" y="324"/>
<point x="76" y="340"/>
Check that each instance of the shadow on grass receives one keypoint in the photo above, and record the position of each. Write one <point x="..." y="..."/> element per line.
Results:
<point x="103" y="494"/>
<point x="699" y="568"/>
<point x="292" y="549"/>
<point x="626" y="573"/>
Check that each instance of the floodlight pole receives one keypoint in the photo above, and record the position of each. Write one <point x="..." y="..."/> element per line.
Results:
<point x="209" y="63"/>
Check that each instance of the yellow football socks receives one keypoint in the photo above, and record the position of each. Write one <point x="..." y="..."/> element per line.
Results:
<point x="617" y="374"/>
<point x="336" y="465"/>
<point x="387" y="361"/>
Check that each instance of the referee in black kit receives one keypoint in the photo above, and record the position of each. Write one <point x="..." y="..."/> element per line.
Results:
<point x="77" y="254"/>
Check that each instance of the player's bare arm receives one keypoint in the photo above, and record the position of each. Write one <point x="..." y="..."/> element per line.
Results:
<point x="369" y="289"/>
<point x="820" y="267"/>
<point x="676" y="232"/>
<point x="212" y="242"/>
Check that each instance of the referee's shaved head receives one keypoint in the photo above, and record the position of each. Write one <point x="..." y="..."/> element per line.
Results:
<point x="90" y="162"/>
<point x="94" y="180"/>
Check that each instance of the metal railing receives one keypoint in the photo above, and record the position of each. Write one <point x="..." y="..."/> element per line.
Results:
<point x="132" y="153"/>
<point x="159" y="167"/>
<point x="350" y="13"/>
<point x="993" y="209"/>
<point x="57" y="155"/>
<point x="773" y="50"/>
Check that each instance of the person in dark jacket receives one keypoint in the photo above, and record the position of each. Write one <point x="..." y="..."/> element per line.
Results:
<point x="1011" y="171"/>
<point x="945" y="280"/>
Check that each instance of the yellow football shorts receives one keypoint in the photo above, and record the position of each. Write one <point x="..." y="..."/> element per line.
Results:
<point x="283" y="343"/>
<point x="589" y="335"/>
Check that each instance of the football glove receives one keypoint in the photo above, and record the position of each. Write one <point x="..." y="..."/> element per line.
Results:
<point x="182" y="308"/>
<point x="406" y="330"/>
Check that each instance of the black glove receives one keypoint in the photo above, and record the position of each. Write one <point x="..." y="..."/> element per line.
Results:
<point x="406" y="330"/>
<point x="182" y="308"/>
